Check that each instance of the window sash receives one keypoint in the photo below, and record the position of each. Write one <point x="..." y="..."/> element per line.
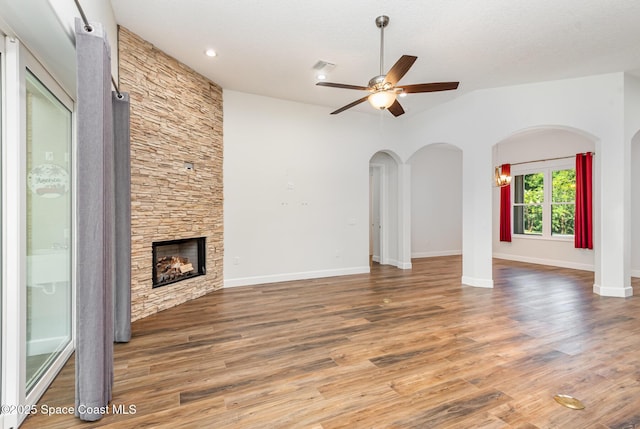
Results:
<point x="519" y="210"/>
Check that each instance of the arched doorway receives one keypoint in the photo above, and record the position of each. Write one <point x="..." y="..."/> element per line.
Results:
<point x="386" y="239"/>
<point x="540" y="153"/>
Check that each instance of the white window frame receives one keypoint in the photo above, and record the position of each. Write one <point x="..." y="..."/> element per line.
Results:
<point x="545" y="167"/>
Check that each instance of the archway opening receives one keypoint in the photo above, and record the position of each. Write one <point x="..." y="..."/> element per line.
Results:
<point x="541" y="212"/>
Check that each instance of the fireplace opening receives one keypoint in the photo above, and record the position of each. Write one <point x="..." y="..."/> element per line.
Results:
<point x="177" y="260"/>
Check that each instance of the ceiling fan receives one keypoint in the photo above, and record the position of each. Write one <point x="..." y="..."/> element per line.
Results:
<point x="383" y="88"/>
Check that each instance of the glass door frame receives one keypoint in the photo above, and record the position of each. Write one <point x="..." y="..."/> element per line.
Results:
<point x="2" y="223"/>
<point x="17" y="60"/>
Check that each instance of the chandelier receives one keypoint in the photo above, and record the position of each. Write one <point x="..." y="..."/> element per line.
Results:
<point x="502" y="179"/>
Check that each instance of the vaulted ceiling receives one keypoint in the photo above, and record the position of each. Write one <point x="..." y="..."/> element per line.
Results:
<point x="269" y="47"/>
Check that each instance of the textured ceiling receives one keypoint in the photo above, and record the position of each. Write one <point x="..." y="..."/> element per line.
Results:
<point x="270" y="47"/>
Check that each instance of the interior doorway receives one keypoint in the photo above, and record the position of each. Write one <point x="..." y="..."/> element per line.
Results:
<point x="386" y="219"/>
<point x="376" y="197"/>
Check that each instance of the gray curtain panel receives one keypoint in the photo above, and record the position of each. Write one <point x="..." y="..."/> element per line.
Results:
<point x="95" y="235"/>
<point x="122" y="165"/>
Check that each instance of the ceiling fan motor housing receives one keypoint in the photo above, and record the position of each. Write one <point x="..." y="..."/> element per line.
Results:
<point x="378" y="83"/>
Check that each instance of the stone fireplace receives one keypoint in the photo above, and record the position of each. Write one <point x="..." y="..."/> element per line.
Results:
<point x="176" y="177"/>
<point x="177" y="260"/>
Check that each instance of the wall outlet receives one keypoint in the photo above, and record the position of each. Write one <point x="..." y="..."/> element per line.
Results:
<point x="236" y="260"/>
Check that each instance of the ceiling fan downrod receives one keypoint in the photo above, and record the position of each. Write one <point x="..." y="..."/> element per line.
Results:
<point x="381" y="22"/>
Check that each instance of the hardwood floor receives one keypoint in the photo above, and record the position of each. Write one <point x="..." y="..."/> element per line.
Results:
<point x="390" y="349"/>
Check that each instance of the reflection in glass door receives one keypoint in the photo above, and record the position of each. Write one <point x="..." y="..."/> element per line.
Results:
<point x="48" y="241"/>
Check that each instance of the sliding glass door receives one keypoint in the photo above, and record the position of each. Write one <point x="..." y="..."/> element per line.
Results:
<point x="2" y="364"/>
<point x="37" y="231"/>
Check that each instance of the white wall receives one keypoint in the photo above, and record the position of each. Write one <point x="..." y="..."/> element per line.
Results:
<point x="436" y="201"/>
<point x="532" y="145"/>
<point x="296" y="189"/>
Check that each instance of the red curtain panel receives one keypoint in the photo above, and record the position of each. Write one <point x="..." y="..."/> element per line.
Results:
<point x="505" y="207"/>
<point x="583" y="237"/>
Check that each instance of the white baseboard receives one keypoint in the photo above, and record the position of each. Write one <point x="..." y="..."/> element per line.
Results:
<point x="635" y="273"/>
<point x="617" y="292"/>
<point x="399" y="264"/>
<point x="285" y="277"/>
<point x="395" y="263"/>
<point x="436" y="253"/>
<point x="470" y="281"/>
<point x="541" y="261"/>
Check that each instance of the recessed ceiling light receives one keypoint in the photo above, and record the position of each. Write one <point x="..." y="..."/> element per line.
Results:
<point x="321" y="76"/>
<point x="210" y="53"/>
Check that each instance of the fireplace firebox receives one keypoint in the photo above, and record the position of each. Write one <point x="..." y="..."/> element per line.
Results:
<point x="177" y="260"/>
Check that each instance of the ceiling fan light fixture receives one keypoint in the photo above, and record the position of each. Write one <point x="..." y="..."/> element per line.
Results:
<point x="382" y="99"/>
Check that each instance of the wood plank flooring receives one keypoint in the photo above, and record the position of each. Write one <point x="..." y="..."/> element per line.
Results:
<point x="390" y="349"/>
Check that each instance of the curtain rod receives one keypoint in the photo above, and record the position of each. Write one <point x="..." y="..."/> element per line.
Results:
<point x="549" y="159"/>
<point x="88" y="27"/>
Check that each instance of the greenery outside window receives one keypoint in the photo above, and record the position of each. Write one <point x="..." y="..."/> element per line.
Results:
<point x="563" y="202"/>
<point x="527" y="204"/>
<point x="544" y="202"/>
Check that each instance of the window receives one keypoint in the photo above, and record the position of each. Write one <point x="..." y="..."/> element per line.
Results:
<point x="527" y="203"/>
<point x="563" y="201"/>
<point x="544" y="202"/>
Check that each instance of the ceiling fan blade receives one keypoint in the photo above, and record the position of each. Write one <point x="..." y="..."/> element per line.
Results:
<point x="396" y="109"/>
<point x="429" y="87"/>
<point x="350" y="105"/>
<point x="400" y="68"/>
<point x="342" y="85"/>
